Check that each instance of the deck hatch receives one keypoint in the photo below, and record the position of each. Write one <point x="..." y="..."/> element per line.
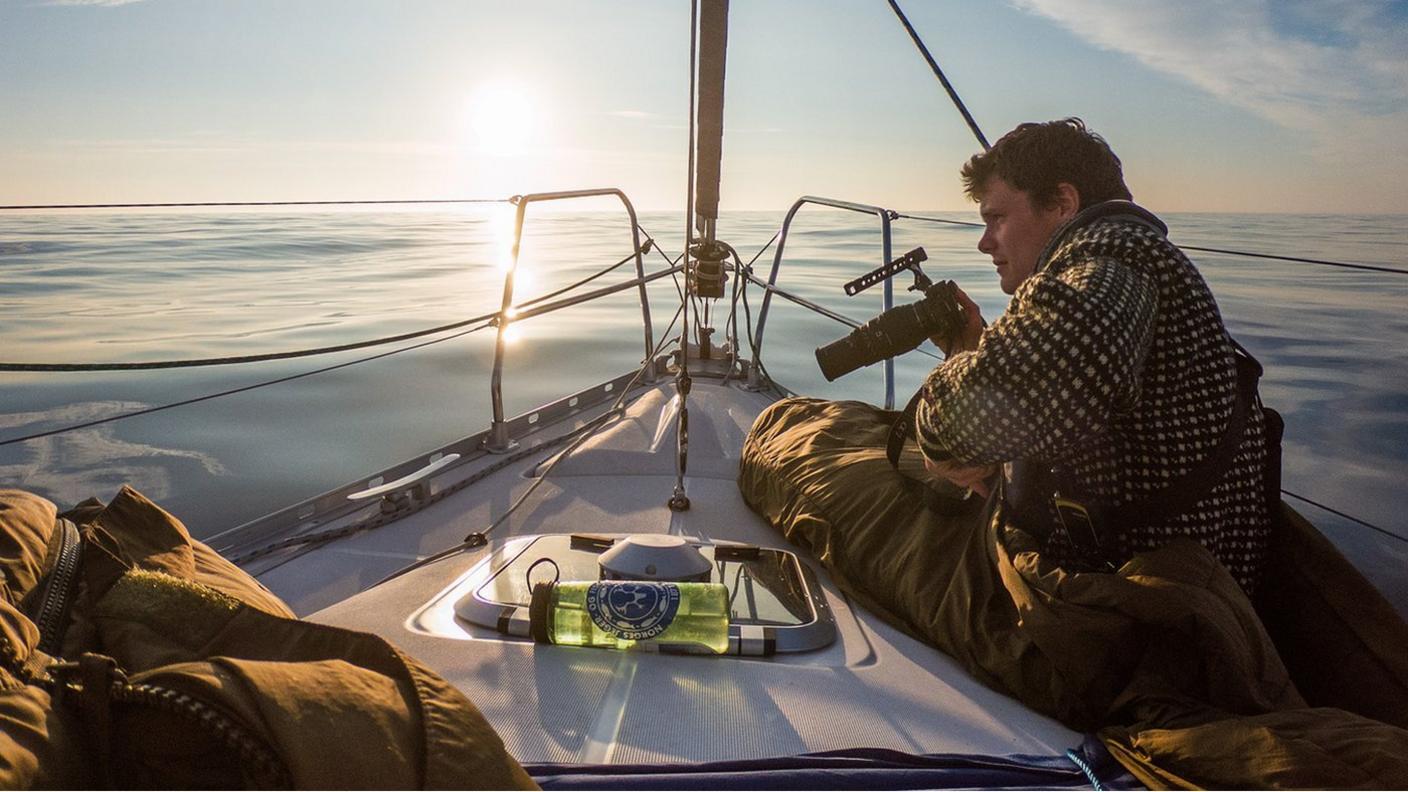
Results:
<point x="770" y="590"/>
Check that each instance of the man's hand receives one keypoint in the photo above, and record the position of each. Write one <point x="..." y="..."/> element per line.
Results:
<point x="975" y="478"/>
<point x="965" y="339"/>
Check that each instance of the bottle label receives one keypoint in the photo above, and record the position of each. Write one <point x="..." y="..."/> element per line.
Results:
<point x="633" y="610"/>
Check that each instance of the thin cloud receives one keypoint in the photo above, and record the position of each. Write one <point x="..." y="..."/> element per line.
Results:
<point x="1334" y="69"/>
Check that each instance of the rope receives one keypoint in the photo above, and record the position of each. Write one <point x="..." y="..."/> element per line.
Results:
<point x="233" y="391"/>
<point x="952" y="94"/>
<point x="1085" y="768"/>
<point x="255" y="203"/>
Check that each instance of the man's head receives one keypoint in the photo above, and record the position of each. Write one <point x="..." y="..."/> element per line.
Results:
<point x="1032" y="181"/>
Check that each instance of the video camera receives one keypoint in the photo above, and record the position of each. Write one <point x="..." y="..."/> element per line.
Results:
<point x="900" y="329"/>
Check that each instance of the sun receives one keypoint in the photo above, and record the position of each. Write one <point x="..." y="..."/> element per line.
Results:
<point x="504" y="119"/>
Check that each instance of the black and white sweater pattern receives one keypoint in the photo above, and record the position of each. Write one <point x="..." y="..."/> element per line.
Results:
<point x="1112" y="361"/>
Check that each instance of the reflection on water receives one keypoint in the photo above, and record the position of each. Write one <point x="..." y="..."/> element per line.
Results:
<point x="109" y="287"/>
<point x="92" y="460"/>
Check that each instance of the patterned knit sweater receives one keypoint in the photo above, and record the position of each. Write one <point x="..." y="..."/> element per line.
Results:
<point x="1112" y="362"/>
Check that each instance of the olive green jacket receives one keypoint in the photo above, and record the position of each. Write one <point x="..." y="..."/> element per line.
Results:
<point x="1185" y="680"/>
<point x="184" y="672"/>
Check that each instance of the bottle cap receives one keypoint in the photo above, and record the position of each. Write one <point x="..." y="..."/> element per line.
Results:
<point x="539" y="611"/>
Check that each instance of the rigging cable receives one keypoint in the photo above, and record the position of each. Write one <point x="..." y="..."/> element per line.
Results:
<point x="740" y="283"/>
<point x="952" y="94"/>
<point x="671" y="261"/>
<point x="679" y="501"/>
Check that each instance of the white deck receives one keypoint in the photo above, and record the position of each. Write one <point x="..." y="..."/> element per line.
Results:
<point x="874" y="687"/>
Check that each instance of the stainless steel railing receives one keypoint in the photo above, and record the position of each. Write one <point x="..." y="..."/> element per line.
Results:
<point x="498" y="440"/>
<point x="770" y="286"/>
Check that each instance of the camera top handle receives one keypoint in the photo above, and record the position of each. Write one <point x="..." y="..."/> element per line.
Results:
<point x="909" y="261"/>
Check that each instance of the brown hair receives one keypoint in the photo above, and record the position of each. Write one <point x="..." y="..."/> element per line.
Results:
<point x="1035" y="158"/>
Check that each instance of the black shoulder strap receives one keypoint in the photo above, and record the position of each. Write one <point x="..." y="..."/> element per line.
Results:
<point x="901" y="429"/>
<point x="1183" y="494"/>
<point x="1124" y="211"/>
<point x="1193" y="486"/>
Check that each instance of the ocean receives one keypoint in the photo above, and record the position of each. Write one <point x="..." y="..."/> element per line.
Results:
<point x="139" y="285"/>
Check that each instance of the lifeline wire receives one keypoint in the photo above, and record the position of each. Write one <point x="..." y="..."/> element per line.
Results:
<point x="177" y="364"/>
<point x="1248" y="254"/>
<point x="225" y="361"/>
<point x="577" y="436"/>
<point x="242" y="389"/>
<point x="1369" y="267"/>
<point x="1351" y="518"/>
<point x="257" y="203"/>
<point x="479" y="538"/>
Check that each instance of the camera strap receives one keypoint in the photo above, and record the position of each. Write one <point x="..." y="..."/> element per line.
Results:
<point x="901" y="430"/>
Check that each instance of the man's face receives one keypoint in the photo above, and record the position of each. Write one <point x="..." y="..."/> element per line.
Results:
<point x="1016" y="231"/>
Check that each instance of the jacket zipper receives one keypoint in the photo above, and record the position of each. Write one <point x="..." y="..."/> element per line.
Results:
<point x="58" y="593"/>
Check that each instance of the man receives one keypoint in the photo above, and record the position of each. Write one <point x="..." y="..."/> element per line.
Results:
<point x="1105" y="393"/>
<point x="1114" y="417"/>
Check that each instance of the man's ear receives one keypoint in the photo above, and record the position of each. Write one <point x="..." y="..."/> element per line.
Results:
<point x="1067" y="200"/>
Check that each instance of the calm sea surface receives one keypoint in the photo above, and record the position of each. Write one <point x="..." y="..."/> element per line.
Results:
<point x="91" y="287"/>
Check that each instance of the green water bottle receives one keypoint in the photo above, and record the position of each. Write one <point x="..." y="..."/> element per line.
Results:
<point x="624" y="614"/>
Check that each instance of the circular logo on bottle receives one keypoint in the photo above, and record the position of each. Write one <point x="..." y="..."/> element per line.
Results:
<point x="633" y="610"/>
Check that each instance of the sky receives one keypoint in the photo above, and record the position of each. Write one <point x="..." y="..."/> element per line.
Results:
<point x="1213" y="105"/>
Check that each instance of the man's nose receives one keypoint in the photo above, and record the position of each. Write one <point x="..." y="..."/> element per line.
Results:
<point x="985" y="242"/>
